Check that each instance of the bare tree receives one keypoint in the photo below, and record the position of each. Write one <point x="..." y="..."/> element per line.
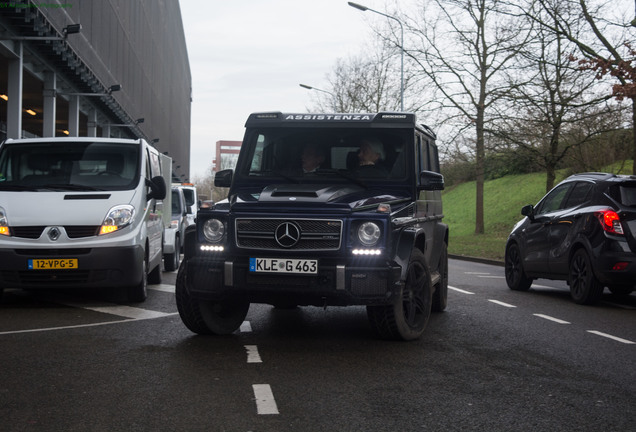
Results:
<point x="550" y="96"/>
<point x="365" y="83"/>
<point x="463" y="48"/>
<point x="606" y="46"/>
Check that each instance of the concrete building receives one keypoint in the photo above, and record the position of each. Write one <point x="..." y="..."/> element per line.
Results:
<point x="226" y="155"/>
<point x="124" y="73"/>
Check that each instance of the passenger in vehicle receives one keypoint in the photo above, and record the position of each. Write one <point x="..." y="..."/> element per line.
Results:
<point x="312" y="158"/>
<point x="370" y="157"/>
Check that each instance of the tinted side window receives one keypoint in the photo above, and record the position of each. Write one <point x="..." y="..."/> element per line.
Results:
<point x="625" y="194"/>
<point x="554" y="201"/>
<point x="579" y="194"/>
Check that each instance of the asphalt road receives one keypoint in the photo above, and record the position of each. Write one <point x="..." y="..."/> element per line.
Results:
<point x="496" y="360"/>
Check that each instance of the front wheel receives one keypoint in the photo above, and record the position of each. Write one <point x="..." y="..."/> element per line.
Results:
<point x="171" y="261"/>
<point x="440" y="297"/>
<point x="407" y="317"/>
<point x="584" y="287"/>
<point x="515" y="276"/>
<point x="139" y="292"/>
<point x="207" y="317"/>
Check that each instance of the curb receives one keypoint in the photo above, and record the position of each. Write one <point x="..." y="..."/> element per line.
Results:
<point x="477" y="260"/>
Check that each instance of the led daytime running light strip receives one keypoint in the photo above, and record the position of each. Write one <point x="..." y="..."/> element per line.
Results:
<point x="366" y="252"/>
<point x="207" y="248"/>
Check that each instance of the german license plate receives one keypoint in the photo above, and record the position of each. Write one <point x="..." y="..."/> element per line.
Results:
<point x="283" y="265"/>
<point x="53" y="264"/>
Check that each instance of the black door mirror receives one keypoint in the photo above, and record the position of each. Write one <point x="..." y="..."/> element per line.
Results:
<point x="223" y="178"/>
<point x="528" y="211"/>
<point x="430" y="180"/>
<point x="157" y="188"/>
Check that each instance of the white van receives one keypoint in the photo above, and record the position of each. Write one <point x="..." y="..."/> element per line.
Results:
<point x="82" y="212"/>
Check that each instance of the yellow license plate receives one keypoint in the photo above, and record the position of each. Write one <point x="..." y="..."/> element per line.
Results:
<point x="53" y="264"/>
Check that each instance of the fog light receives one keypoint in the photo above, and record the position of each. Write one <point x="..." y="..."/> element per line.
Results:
<point x="366" y="251"/>
<point x="208" y="248"/>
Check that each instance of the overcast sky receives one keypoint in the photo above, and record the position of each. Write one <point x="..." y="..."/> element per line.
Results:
<point x="251" y="55"/>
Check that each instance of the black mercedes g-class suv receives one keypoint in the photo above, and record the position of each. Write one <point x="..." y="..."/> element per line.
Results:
<point x="322" y="210"/>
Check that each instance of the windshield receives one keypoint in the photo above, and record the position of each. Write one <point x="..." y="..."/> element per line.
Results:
<point x="319" y="154"/>
<point x="69" y="166"/>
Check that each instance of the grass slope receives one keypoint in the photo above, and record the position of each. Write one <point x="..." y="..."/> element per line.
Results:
<point x="503" y="199"/>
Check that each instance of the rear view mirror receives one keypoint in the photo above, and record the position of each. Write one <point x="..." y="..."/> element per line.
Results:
<point x="157" y="188"/>
<point x="430" y="180"/>
<point x="528" y="211"/>
<point x="223" y="178"/>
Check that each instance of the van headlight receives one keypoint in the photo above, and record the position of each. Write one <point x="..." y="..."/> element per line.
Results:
<point x="369" y="233"/>
<point x="213" y="230"/>
<point x="4" y="223"/>
<point x="117" y="218"/>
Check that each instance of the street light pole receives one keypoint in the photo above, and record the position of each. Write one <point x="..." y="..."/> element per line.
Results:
<point x="364" y="9"/>
<point x="333" y="97"/>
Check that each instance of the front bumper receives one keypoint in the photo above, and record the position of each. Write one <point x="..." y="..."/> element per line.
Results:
<point x="338" y="282"/>
<point x="97" y="267"/>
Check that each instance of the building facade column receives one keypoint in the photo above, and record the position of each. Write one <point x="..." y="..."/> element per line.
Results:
<point x="49" y="115"/>
<point x="14" y="92"/>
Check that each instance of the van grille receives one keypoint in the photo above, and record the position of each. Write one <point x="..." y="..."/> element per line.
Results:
<point x="314" y="234"/>
<point x="73" y="231"/>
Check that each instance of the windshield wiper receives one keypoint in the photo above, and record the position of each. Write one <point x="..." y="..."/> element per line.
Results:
<point x="12" y="187"/>
<point x="70" y="187"/>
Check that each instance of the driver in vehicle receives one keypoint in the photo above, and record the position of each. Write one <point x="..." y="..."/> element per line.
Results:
<point x="370" y="157"/>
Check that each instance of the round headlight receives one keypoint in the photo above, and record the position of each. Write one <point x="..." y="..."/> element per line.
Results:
<point x="213" y="230"/>
<point x="369" y="233"/>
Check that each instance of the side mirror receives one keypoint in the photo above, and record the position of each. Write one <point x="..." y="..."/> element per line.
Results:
<point x="223" y="178"/>
<point x="430" y="180"/>
<point x="157" y="188"/>
<point x="528" y="211"/>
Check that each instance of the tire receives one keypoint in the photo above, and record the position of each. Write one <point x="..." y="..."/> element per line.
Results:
<point x="138" y="293"/>
<point x="207" y="317"/>
<point x="171" y="261"/>
<point x="440" y="297"/>
<point x="407" y="317"/>
<point x="515" y="275"/>
<point x="584" y="287"/>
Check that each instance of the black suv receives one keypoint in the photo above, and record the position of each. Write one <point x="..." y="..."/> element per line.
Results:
<point x="582" y="231"/>
<point x="323" y="209"/>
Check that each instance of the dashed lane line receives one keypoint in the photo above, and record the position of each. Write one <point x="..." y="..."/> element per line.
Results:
<point x="500" y="303"/>
<point x="265" y="402"/>
<point x="460" y="290"/>
<point x="621" y="340"/>
<point x="252" y="354"/>
<point x="162" y="288"/>
<point x="549" y="318"/>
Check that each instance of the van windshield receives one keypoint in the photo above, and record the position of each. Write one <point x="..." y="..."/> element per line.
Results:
<point x="69" y="166"/>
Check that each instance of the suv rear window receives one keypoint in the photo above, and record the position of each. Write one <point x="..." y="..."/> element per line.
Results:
<point x="624" y="194"/>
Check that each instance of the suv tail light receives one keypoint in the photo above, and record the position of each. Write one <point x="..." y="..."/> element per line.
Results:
<point x="610" y="221"/>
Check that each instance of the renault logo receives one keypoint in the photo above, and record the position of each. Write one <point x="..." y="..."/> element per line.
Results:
<point x="54" y="233"/>
<point x="287" y="234"/>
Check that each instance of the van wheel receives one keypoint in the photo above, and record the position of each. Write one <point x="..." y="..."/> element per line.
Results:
<point x="407" y="317"/>
<point x="440" y="297"/>
<point x="207" y="317"/>
<point x="139" y="292"/>
<point x="171" y="261"/>
<point x="515" y="276"/>
<point x="584" y="287"/>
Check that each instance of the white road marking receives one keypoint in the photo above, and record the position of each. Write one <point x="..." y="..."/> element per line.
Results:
<point x="265" y="403"/>
<point x="492" y="277"/>
<point x="121" y="310"/>
<point x="556" y="320"/>
<point x="80" y="325"/>
<point x="162" y="287"/>
<point x="625" y="341"/>
<point x="460" y="290"/>
<point x="502" y="303"/>
<point x="476" y="273"/>
<point x="246" y="327"/>
<point x="252" y="354"/>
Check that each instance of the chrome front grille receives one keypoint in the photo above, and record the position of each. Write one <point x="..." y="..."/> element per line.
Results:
<point x="313" y="234"/>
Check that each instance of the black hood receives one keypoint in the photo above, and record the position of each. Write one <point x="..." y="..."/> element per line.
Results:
<point x="283" y="196"/>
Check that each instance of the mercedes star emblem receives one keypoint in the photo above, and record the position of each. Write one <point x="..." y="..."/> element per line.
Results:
<point x="287" y="234"/>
